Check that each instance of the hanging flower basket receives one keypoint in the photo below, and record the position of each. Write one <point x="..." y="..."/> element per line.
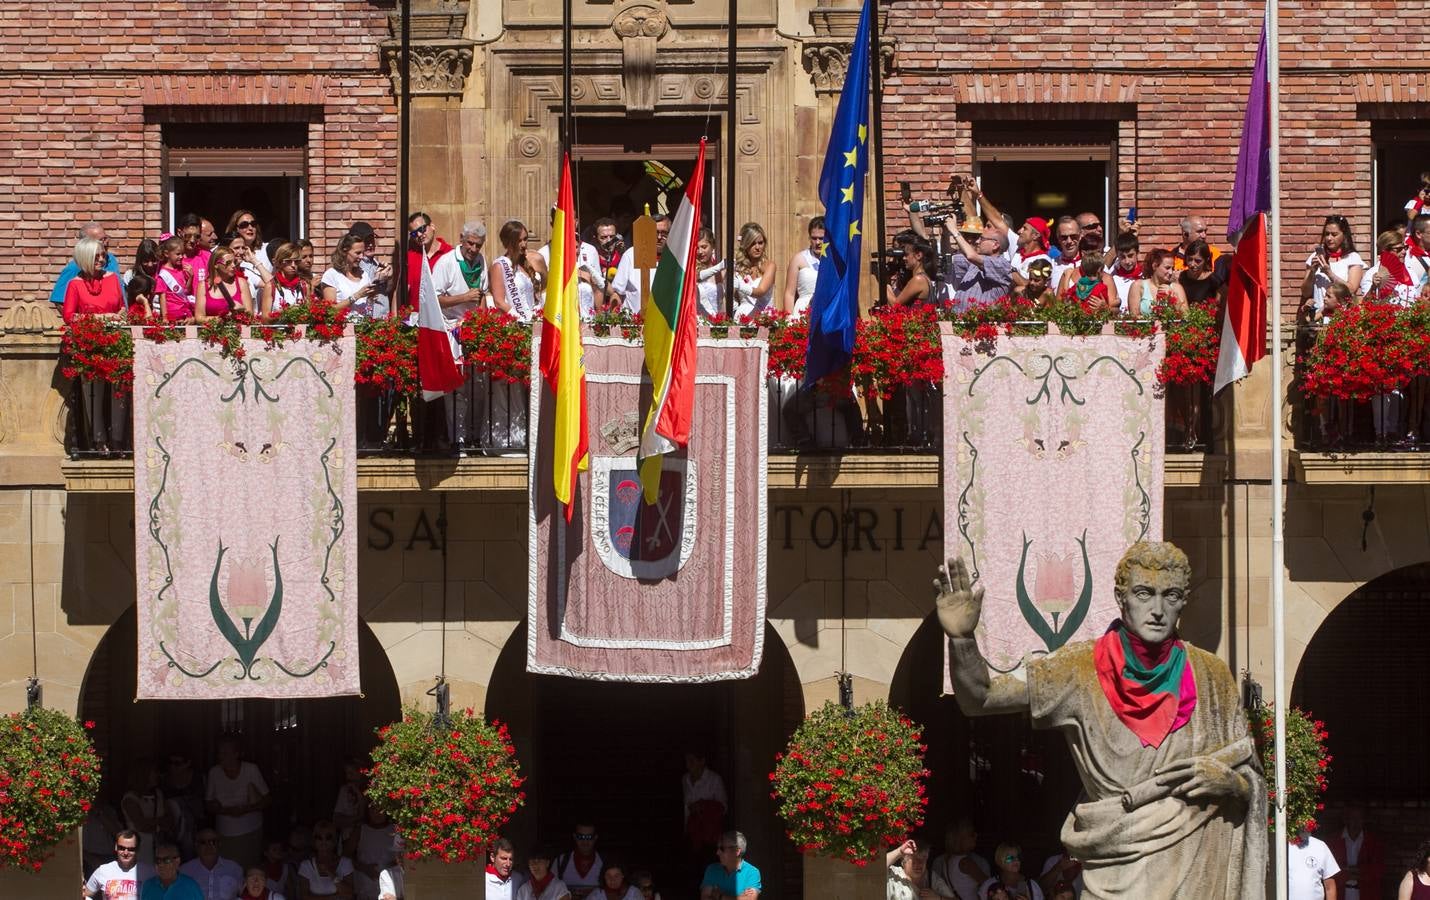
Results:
<point x="1307" y="765"/>
<point x="49" y="774"/>
<point x="851" y="782"/>
<point x="448" y="788"/>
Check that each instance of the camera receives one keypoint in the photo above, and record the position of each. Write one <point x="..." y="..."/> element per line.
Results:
<point x="892" y="260"/>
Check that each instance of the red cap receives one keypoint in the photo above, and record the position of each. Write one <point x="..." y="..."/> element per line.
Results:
<point x="1042" y="227"/>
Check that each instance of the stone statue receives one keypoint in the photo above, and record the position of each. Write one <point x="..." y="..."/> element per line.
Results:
<point x="1173" y="801"/>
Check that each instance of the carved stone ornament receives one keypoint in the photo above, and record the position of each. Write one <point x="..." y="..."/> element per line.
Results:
<point x="826" y="55"/>
<point x="441" y="56"/>
<point x="640" y="24"/>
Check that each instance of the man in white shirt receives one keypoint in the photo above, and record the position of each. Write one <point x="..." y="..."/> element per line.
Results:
<point x="218" y="878"/>
<point x="1067" y="233"/>
<point x="590" y="280"/>
<point x="630" y="281"/>
<point x="461" y="279"/>
<point x="1311" y="869"/>
<point x="500" y="881"/>
<point x="121" y="878"/>
<point x="237" y="796"/>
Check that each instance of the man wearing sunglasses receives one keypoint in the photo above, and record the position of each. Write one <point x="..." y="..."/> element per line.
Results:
<point x="170" y="883"/>
<point x="580" y="868"/>
<point x="120" y="879"/>
<point x="732" y="877"/>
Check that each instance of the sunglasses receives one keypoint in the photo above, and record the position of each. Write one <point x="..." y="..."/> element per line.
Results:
<point x="247" y="223"/>
<point x="121" y="849"/>
<point x="584" y="837"/>
<point x="1012" y="857"/>
<point x="166" y="860"/>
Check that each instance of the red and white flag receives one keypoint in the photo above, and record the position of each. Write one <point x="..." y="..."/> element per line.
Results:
<point x="439" y="356"/>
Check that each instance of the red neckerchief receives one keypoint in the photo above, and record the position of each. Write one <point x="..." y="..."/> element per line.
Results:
<point x="289" y="284"/>
<point x="414" y="269"/>
<point x="1136" y="271"/>
<point x="1335" y="256"/>
<point x="1150" y="654"/>
<point x="492" y="870"/>
<point x="580" y="869"/>
<point x="263" y="896"/>
<point x="1039" y="250"/>
<point x="539" y="884"/>
<point x="1414" y="249"/>
<point x="1075" y="261"/>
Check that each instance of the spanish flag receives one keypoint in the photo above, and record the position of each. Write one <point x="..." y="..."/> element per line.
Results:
<point x="669" y="332"/>
<point x="563" y="364"/>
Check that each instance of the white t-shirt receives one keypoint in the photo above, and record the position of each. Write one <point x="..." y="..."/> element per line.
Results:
<point x="497" y="889"/>
<point x="1029" y="889"/>
<point x="1321" y="282"/>
<point x="346" y="287"/>
<point x="804" y="282"/>
<point x="709" y="786"/>
<point x="324" y="885"/>
<point x="1124" y="285"/>
<point x="1309" y="864"/>
<point x="628" y="281"/>
<point x="588" y="259"/>
<point x="555" y="890"/>
<point x="946" y="873"/>
<point x="111" y="882"/>
<point x="447" y="278"/>
<point x="237" y="792"/>
<point x="389" y="882"/>
<point x="222" y="882"/>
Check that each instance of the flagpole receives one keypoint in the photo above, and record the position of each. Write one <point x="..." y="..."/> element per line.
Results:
<point x="567" y="128"/>
<point x="729" y="147"/>
<point x="876" y="69"/>
<point x="1278" y="524"/>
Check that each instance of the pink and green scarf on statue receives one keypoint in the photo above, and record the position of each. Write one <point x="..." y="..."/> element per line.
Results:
<point x="1150" y="686"/>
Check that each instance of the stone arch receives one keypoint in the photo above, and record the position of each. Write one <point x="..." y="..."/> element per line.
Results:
<point x="614" y="752"/>
<point x="299" y="744"/>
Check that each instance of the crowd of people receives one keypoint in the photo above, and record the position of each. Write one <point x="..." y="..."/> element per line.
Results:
<point x="959" y="260"/>
<point x="181" y="834"/>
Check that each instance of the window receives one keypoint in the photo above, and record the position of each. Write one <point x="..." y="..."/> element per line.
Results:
<point x="1402" y="152"/>
<point x="617" y="168"/>
<point x="1048" y="168"/>
<point x="215" y="169"/>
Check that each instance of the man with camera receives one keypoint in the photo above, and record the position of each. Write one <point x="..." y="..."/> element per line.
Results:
<point x="981" y="271"/>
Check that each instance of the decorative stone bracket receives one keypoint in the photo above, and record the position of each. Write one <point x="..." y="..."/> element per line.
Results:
<point x="640" y="24"/>
<point x="441" y="56"/>
<point x="826" y="54"/>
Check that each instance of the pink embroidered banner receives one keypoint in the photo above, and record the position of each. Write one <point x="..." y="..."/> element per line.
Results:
<point x="675" y="591"/>
<point x="1052" y="467"/>
<point x="245" y="476"/>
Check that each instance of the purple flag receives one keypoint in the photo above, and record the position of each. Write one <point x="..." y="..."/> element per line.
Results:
<point x="1251" y="193"/>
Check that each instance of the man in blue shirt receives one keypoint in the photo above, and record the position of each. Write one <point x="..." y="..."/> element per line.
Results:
<point x="170" y="883"/>
<point x="71" y="270"/>
<point x="732" y="878"/>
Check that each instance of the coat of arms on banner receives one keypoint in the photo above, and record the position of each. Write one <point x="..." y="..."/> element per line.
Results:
<point x="245" y="476"/>
<point x="670" y="591"/>
<point x="636" y="539"/>
<point x="1053" y="453"/>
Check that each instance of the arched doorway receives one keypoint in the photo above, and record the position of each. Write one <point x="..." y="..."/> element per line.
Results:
<point x="614" y="753"/>
<point x="1363" y="673"/>
<point x="299" y="745"/>
<point x="1016" y="782"/>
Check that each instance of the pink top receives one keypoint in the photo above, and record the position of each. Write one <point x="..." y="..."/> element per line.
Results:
<point x="199" y="259"/>
<point x="173" y="289"/>
<point x="84" y="297"/>
<point x="218" y="305"/>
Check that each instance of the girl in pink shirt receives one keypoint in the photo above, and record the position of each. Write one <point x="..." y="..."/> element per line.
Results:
<point x="174" y="285"/>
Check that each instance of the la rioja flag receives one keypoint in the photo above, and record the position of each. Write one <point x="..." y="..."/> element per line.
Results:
<point x="438" y="352"/>
<point x="1243" y="333"/>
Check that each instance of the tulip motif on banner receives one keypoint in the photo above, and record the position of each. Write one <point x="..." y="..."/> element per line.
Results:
<point x="248" y="598"/>
<point x="1053" y="593"/>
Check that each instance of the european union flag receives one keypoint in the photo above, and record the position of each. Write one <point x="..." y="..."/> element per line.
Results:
<point x="834" y="309"/>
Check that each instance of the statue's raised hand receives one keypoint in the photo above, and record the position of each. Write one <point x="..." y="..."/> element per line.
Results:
<point x="959" y="601"/>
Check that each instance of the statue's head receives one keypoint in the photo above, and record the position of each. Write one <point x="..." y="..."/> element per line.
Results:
<point x="1151" y="586"/>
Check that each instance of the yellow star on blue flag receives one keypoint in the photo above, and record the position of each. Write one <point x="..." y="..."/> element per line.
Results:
<point x="834" y="309"/>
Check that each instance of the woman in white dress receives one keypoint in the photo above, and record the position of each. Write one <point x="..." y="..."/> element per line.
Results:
<point x="754" y="272"/>
<point x="517" y="276"/>
<point x="804" y="272"/>
<point x="711" y="283"/>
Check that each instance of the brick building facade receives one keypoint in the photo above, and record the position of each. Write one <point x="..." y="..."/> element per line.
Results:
<point x="1167" y="89"/>
<point x="95" y="104"/>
